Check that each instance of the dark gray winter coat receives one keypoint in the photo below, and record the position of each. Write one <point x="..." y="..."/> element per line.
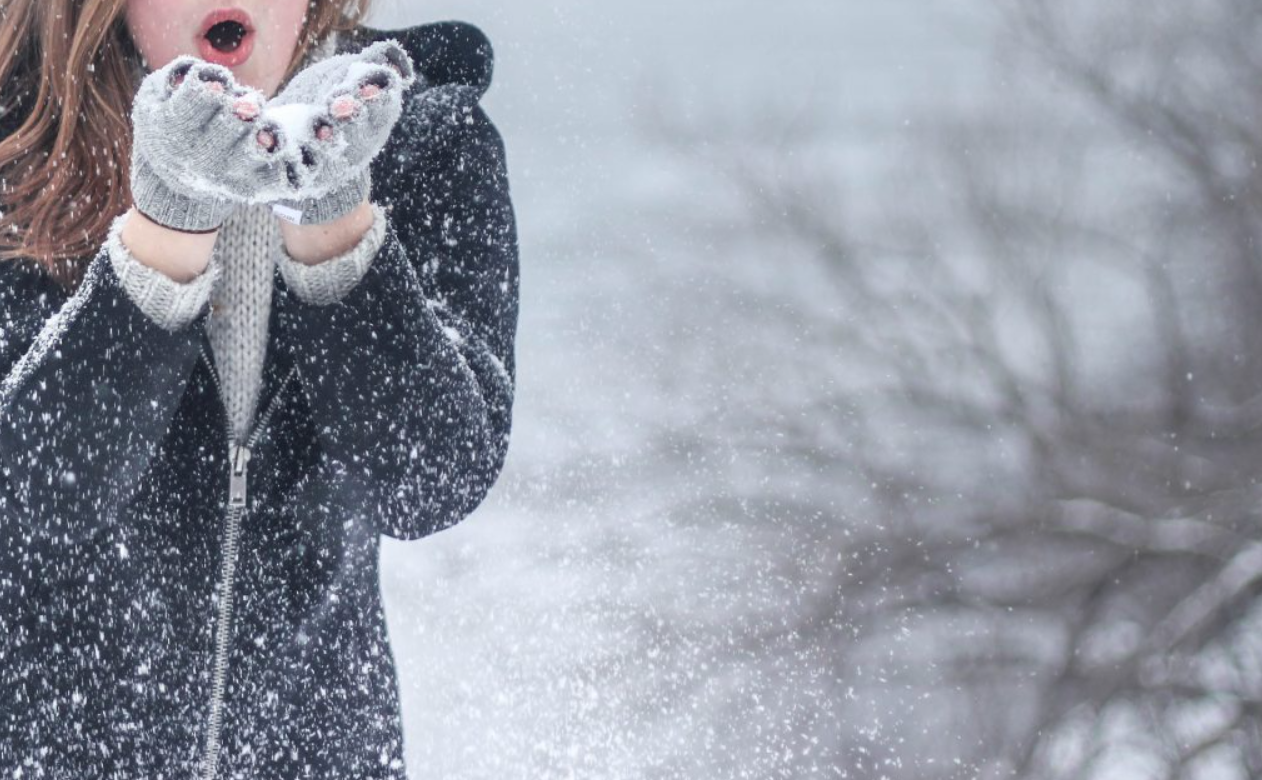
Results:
<point x="148" y="619"/>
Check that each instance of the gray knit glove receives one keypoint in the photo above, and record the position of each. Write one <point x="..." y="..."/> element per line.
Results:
<point x="195" y="152"/>
<point x="329" y="123"/>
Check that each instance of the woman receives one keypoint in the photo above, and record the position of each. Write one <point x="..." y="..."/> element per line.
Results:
<point x="209" y="413"/>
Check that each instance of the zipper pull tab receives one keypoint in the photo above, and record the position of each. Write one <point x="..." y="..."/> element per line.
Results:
<point x="237" y="479"/>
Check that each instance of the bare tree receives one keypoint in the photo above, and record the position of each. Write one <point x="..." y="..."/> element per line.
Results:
<point x="1029" y="417"/>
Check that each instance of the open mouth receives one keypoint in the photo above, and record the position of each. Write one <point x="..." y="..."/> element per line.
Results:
<point x="226" y="37"/>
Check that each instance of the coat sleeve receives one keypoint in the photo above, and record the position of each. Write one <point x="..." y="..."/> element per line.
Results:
<point x="410" y="375"/>
<point x="88" y="386"/>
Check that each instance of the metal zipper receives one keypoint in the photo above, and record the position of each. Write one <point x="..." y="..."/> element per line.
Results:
<point x="238" y="461"/>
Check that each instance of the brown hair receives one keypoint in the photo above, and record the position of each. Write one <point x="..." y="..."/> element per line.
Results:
<point x="68" y="70"/>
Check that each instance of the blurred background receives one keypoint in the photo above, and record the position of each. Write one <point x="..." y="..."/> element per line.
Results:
<point x="889" y="399"/>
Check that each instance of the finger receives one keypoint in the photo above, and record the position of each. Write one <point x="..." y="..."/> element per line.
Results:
<point x="377" y="81"/>
<point x="392" y="54"/>
<point x="246" y="108"/>
<point x="214" y="78"/>
<point x="344" y="107"/>
<point x="178" y="72"/>
<point x="268" y="141"/>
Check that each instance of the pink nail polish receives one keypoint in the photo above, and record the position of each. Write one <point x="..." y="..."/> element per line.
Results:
<point x="245" y="109"/>
<point x="344" y="107"/>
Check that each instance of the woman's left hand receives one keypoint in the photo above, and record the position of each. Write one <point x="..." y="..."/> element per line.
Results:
<point x="328" y="124"/>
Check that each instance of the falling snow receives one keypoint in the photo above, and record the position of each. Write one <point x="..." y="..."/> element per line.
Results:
<point x="882" y="406"/>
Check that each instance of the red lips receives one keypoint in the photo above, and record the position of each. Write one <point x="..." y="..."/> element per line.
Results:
<point x="226" y="37"/>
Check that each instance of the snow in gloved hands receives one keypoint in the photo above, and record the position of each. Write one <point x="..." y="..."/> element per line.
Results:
<point x="204" y="144"/>
<point x="334" y="116"/>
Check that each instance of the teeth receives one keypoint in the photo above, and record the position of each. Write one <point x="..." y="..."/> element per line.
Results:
<point x="226" y="36"/>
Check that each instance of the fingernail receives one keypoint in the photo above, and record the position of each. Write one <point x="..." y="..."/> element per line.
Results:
<point x="246" y="109"/>
<point x="344" y="107"/>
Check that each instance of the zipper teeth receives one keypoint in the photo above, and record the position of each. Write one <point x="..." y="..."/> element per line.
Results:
<point x="272" y="403"/>
<point x="223" y="627"/>
<point x="256" y="432"/>
<point x="221" y="642"/>
<point x="214" y="375"/>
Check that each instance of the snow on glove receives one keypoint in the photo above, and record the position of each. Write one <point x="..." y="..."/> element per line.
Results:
<point x="329" y="123"/>
<point x="195" y="155"/>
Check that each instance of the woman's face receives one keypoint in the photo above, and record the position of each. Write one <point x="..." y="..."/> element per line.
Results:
<point x="212" y="30"/>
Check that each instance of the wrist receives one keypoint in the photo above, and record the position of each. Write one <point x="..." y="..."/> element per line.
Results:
<point x="181" y="256"/>
<point x="316" y="243"/>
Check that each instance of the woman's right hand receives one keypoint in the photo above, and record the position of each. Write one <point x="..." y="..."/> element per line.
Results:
<point x="196" y="152"/>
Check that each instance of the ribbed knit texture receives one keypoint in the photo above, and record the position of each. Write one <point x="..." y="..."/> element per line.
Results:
<point x="328" y="282"/>
<point x="240" y="304"/>
<point x="238" y="283"/>
<point x="169" y="303"/>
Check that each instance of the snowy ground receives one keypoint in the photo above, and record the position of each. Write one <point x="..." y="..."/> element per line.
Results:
<point x="587" y="621"/>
